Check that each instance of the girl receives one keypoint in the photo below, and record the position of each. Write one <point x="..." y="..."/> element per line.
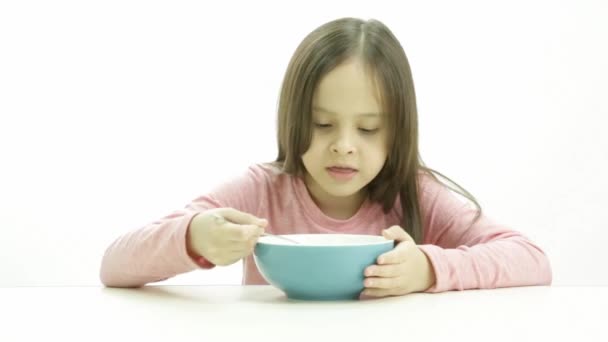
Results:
<point x="348" y="162"/>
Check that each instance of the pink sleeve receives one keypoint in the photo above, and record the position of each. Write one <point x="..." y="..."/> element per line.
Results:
<point x="158" y="250"/>
<point x="486" y="255"/>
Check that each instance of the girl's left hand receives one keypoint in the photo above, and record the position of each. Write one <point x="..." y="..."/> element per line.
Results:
<point x="404" y="269"/>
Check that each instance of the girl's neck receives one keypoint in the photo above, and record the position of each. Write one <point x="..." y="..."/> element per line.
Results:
<point x="336" y="207"/>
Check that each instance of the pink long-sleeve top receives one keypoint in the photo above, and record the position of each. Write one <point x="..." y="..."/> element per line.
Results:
<point x="484" y="255"/>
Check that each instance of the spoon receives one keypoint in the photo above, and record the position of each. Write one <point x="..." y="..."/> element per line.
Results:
<point x="221" y="220"/>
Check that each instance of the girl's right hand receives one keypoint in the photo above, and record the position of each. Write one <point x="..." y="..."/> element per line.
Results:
<point x="224" y="236"/>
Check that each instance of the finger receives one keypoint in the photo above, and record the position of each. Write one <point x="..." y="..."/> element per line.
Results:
<point x="243" y="246"/>
<point x="382" y="283"/>
<point x="242" y="233"/>
<point x="251" y="247"/>
<point x="236" y="216"/>
<point x="227" y="258"/>
<point x="396" y="255"/>
<point x="373" y="292"/>
<point x="397" y="233"/>
<point x="241" y="253"/>
<point x="376" y="292"/>
<point x="387" y="271"/>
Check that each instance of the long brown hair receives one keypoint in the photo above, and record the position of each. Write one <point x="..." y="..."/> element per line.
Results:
<point x="322" y="50"/>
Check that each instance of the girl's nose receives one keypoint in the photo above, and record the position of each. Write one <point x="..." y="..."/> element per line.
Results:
<point x="343" y="145"/>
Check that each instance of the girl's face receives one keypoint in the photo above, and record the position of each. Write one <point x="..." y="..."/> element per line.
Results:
<point x="349" y="131"/>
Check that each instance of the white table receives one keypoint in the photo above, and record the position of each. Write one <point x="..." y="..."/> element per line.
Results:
<point x="236" y="313"/>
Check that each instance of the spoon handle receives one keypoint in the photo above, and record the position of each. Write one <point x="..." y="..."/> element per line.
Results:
<point x="221" y="219"/>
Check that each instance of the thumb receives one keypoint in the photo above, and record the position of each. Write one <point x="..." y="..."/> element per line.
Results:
<point x="397" y="233"/>
<point x="239" y="217"/>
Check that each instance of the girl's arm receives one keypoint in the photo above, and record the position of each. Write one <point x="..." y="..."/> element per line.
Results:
<point x="484" y="255"/>
<point x="152" y="253"/>
<point x="158" y="251"/>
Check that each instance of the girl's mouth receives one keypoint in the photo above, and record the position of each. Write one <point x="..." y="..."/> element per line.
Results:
<point x="341" y="173"/>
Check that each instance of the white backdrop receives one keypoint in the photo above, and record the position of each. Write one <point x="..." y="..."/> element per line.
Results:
<point x="116" y="113"/>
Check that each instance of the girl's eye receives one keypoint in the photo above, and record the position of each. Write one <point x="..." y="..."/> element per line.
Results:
<point x="363" y="130"/>
<point x="368" y="131"/>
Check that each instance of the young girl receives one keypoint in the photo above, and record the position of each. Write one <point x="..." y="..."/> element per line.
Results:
<point x="348" y="162"/>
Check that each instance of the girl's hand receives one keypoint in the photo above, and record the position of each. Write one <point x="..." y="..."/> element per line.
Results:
<point x="403" y="270"/>
<point x="224" y="236"/>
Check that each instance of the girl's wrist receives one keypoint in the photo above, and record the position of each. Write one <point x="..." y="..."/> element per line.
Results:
<point x="428" y="272"/>
<point x="195" y="256"/>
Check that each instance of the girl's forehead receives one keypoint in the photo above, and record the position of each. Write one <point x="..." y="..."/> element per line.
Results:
<point x="351" y="76"/>
<point x="356" y="97"/>
<point x="360" y="114"/>
<point x="340" y="104"/>
<point x="348" y="88"/>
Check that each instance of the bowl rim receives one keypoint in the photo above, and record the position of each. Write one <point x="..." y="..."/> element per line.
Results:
<point x="375" y="240"/>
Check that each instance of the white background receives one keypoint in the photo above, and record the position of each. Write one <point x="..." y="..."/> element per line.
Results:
<point x="115" y="113"/>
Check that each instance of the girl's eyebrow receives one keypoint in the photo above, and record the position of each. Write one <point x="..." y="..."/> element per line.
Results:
<point x="327" y="111"/>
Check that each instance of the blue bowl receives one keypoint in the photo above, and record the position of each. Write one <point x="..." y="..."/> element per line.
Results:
<point x="321" y="266"/>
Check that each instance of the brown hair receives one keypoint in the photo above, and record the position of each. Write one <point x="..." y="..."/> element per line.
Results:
<point x="322" y="50"/>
